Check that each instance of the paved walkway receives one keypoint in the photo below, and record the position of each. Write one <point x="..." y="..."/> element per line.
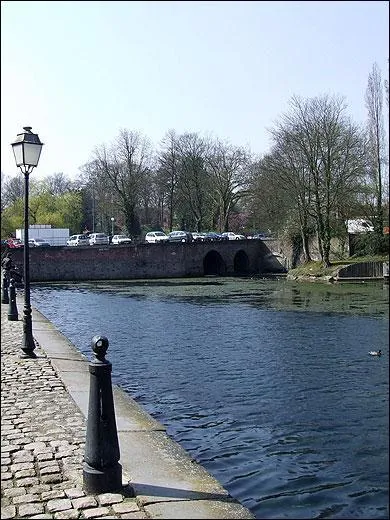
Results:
<point x="42" y="442"/>
<point x="42" y="446"/>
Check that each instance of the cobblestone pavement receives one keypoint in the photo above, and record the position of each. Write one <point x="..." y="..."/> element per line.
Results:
<point x="42" y="442"/>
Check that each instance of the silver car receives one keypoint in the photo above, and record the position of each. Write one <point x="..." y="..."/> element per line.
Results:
<point x="180" y="236"/>
<point x="38" y="242"/>
<point x="98" y="239"/>
<point x="78" y="240"/>
<point x="198" y="237"/>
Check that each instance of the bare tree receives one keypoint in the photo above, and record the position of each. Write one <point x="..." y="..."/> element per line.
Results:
<point x="269" y="201"/>
<point x="288" y="165"/>
<point x="58" y="184"/>
<point x="194" y="182"/>
<point x="169" y="170"/>
<point x="124" y="167"/>
<point x="152" y="198"/>
<point x="229" y="168"/>
<point x="324" y="155"/>
<point x="12" y="190"/>
<point x="376" y="148"/>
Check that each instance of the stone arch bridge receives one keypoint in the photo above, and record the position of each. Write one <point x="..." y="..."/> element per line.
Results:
<point x="128" y="261"/>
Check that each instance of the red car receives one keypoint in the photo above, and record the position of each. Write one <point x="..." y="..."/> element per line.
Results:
<point x="14" y="243"/>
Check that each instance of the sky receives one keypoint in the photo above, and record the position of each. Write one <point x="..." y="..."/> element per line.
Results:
<point x="78" y="72"/>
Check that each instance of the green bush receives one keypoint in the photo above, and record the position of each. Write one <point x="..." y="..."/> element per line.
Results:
<point x="371" y="244"/>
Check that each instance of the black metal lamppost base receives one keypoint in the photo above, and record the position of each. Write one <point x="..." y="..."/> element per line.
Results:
<point x="106" y="480"/>
<point x="27" y="354"/>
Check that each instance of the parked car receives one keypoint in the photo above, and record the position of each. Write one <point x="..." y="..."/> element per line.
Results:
<point x="153" y="237"/>
<point x="38" y="242"/>
<point x="261" y="235"/>
<point x="78" y="240"/>
<point x="233" y="236"/>
<point x="14" y="243"/>
<point x="120" y="239"/>
<point x="198" y="237"/>
<point x="98" y="239"/>
<point x="180" y="236"/>
<point x="214" y="237"/>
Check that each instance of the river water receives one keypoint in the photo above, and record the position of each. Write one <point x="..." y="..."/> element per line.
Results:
<point x="267" y="383"/>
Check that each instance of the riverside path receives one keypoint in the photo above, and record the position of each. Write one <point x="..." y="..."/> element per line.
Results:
<point x="43" y="427"/>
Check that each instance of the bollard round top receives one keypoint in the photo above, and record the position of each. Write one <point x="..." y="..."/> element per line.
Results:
<point x="100" y="346"/>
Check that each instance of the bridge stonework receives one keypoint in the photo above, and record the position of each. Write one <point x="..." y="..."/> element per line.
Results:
<point x="82" y="263"/>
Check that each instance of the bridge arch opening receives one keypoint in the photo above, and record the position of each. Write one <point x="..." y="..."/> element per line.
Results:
<point x="241" y="263"/>
<point x="213" y="264"/>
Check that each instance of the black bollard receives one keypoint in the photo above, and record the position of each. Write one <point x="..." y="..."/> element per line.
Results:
<point x="102" y="472"/>
<point x="4" y="295"/>
<point x="12" y="308"/>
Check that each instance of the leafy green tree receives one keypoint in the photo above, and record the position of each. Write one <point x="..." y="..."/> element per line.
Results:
<point x="69" y="211"/>
<point x="60" y="211"/>
<point x="12" y="218"/>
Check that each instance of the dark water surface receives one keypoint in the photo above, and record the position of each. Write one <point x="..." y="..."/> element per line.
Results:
<point x="268" y="384"/>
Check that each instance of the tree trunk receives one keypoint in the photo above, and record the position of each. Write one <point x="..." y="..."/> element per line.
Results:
<point x="305" y="246"/>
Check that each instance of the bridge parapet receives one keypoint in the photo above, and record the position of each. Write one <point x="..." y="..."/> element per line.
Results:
<point x="132" y="261"/>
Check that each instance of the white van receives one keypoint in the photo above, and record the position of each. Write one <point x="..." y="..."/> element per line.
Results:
<point x="153" y="237"/>
<point x="359" y="225"/>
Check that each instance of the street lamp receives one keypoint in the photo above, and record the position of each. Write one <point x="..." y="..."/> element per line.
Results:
<point x="112" y="226"/>
<point x="27" y="149"/>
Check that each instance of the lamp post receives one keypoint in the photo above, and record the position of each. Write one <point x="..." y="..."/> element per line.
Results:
<point x="27" y="150"/>
<point x="112" y="226"/>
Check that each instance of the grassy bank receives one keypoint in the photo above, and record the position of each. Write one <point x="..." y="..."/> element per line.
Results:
<point x="317" y="270"/>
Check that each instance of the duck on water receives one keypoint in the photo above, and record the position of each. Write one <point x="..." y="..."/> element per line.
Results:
<point x="375" y="353"/>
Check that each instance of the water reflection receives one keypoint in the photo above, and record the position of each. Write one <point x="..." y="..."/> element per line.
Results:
<point x="370" y="298"/>
<point x="268" y="384"/>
